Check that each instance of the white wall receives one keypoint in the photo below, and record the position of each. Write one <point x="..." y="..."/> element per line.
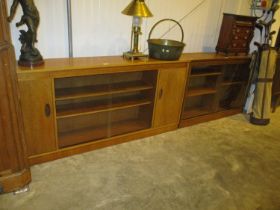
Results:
<point x="276" y="25"/>
<point x="99" y="28"/>
<point x="52" y="32"/>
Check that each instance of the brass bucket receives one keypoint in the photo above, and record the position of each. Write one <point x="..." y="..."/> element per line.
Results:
<point x="165" y="49"/>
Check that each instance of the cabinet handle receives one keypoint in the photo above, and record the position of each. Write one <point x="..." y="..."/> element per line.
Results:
<point x="47" y="110"/>
<point x="160" y="93"/>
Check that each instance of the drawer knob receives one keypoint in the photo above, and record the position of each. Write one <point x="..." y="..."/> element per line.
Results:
<point x="236" y="37"/>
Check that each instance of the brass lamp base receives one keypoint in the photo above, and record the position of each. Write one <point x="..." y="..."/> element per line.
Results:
<point x="133" y="55"/>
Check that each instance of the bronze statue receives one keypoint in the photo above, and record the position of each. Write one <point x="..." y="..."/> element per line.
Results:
<point x="30" y="55"/>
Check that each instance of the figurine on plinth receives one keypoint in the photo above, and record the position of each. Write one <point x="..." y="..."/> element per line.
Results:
<point x="30" y="56"/>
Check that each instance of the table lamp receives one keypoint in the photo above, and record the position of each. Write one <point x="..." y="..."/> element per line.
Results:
<point x="138" y="9"/>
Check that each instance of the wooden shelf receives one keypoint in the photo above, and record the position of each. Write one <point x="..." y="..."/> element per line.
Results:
<point x="227" y="83"/>
<point x="102" y="132"/>
<point x="204" y="74"/>
<point x="100" y="90"/>
<point x="86" y="108"/>
<point x="200" y="91"/>
<point x="208" y="117"/>
<point x="208" y="70"/>
<point x="276" y="93"/>
<point x="198" y="111"/>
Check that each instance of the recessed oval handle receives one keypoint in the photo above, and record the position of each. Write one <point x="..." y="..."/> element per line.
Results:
<point x="160" y="93"/>
<point x="47" y="110"/>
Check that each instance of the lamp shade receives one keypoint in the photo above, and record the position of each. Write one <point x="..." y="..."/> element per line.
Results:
<point x="137" y="8"/>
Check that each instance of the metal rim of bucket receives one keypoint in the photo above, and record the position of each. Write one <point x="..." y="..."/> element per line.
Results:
<point x="167" y="19"/>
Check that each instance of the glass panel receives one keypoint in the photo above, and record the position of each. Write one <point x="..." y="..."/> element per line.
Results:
<point x="90" y="108"/>
<point x="198" y="105"/>
<point x="232" y="97"/>
<point x="82" y="129"/>
<point x="236" y="73"/>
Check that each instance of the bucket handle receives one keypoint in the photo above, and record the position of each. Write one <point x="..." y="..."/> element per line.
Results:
<point x="168" y="20"/>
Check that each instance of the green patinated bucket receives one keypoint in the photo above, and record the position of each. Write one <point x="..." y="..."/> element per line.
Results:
<point x="165" y="49"/>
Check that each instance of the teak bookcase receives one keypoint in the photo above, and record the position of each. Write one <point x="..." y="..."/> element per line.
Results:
<point x="76" y="105"/>
<point x="214" y="89"/>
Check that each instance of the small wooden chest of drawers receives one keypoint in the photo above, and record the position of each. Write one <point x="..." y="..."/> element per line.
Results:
<point x="236" y="34"/>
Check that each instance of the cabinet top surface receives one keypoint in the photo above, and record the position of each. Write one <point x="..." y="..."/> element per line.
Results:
<point x="251" y="18"/>
<point x="58" y="66"/>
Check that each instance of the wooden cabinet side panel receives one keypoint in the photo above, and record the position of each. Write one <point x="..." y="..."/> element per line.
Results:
<point x="7" y="159"/>
<point x="2" y="34"/>
<point x="169" y="96"/>
<point x="13" y="159"/>
<point x="39" y="128"/>
<point x="4" y="30"/>
<point x="225" y="32"/>
<point x="12" y="146"/>
<point x="4" y="162"/>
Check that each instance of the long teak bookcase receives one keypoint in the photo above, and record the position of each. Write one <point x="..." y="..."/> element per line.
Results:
<point x="73" y="105"/>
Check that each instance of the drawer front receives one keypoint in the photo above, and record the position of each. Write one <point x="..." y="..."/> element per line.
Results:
<point x="239" y="44"/>
<point x="242" y="33"/>
<point x="245" y="37"/>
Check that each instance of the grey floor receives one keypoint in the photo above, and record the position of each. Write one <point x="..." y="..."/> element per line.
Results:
<point x="226" y="164"/>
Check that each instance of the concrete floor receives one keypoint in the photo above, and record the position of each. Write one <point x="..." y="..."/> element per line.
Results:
<point x="227" y="164"/>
